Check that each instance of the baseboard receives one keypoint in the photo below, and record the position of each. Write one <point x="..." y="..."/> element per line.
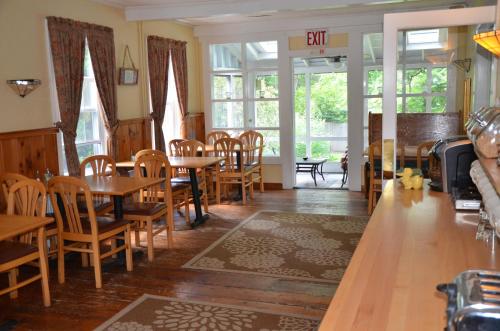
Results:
<point x="269" y="186"/>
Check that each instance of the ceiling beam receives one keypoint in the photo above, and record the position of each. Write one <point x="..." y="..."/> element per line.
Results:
<point x="194" y="9"/>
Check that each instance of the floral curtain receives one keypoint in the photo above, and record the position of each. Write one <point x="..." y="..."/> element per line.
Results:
<point x="67" y="45"/>
<point x="101" y="46"/>
<point x="158" y="55"/>
<point x="179" y="66"/>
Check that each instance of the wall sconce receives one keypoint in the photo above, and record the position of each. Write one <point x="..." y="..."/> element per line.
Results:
<point x="23" y="87"/>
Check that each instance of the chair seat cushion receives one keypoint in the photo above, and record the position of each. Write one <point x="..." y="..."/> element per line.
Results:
<point x="177" y="186"/>
<point x="104" y="224"/>
<point x="11" y="250"/>
<point x="143" y="208"/>
<point x="184" y="180"/>
<point x="252" y="164"/>
<point x="99" y="206"/>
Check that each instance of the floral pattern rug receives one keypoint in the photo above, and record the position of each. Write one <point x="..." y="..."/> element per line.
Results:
<point x="151" y="312"/>
<point x="289" y="245"/>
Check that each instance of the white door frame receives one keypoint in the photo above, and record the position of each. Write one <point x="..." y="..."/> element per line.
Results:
<point x="416" y="20"/>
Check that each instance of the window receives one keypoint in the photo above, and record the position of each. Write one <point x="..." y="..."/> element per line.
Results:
<point x="422" y="75"/>
<point x="171" y="122"/>
<point x="90" y="133"/>
<point x="244" y="90"/>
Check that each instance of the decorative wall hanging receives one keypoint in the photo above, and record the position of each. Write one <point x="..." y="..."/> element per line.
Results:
<point x="23" y="87"/>
<point x="128" y="75"/>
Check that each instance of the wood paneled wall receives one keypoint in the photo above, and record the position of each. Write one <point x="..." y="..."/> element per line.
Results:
<point x="196" y="126"/>
<point x="413" y="129"/>
<point x="133" y="135"/>
<point x="25" y="152"/>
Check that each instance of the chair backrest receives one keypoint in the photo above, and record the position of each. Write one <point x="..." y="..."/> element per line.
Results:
<point x="27" y="197"/>
<point x="213" y="136"/>
<point x="101" y="165"/>
<point x="65" y="194"/>
<point x="427" y="147"/>
<point x="149" y="152"/>
<point x="375" y="155"/>
<point x="252" y="139"/>
<point x="173" y="146"/>
<point x="230" y="148"/>
<point x="153" y="166"/>
<point x="8" y="179"/>
<point x="191" y="148"/>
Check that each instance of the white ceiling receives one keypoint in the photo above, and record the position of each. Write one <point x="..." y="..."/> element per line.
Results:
<point x="200" y="12"/>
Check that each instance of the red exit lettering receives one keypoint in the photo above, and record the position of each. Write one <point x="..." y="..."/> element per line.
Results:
<point x="316" y="38"/>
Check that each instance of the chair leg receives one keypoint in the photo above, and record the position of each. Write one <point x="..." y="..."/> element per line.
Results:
<point x="169" y="227"/>
<point x="13" y="282"/>
<point x="85" y="259"/>
<point x="128" y="248"/>
<point x="113" y="246"/>
<point x="137" y="234"/>
<point x="217" y="190"/>
<point x="205" y="198"/>
<point x="251" y="186"/>
<point x="370" y="200"/>
<point x="186" y="208"/>
<point x="149" y="239"/>
<point x="261" y="180"/>
<point x="44" y="266"/>
<point x="243" y="191"/>
<point x="60" y="260"/>
<point x="96" y="253"/>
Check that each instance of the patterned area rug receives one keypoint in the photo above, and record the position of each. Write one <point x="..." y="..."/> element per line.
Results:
<point x="151" y="312"/>
<point x="286" y="245"/>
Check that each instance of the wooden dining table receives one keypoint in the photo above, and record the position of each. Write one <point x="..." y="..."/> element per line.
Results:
<point x="191" y="163"/>
<point x="118" y="187"/>
<point x="14" y="225"/>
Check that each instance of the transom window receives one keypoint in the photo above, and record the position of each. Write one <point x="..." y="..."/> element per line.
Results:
<point x="244" y="90"/>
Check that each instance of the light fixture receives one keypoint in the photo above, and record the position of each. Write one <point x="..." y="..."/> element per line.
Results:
<point x="23" y="87"/>
<point x="490" y="40"/>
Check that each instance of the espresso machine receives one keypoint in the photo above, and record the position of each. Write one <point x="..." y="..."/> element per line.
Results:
<point x="455" y="156"/>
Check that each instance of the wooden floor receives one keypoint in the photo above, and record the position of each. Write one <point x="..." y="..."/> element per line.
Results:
<point x="78" y="305"/>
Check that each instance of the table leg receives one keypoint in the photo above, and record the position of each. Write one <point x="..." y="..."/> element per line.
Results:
<point x="320" y="170"/>
<point x="239" y="196"/>
<point x="118" y="206"/>
<point x="313" y="174"/>
<point x="200" y="218"/>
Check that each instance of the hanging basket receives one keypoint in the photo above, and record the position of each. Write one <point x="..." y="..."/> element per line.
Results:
<point x="128" y="75"/>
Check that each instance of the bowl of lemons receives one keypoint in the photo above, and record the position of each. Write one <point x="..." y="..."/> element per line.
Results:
<point x="411" y="178"/>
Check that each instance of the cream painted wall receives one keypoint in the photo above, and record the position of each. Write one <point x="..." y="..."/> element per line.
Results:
<point x="23" y="51"/>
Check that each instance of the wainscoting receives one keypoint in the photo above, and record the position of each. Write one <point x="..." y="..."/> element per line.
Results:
<point x="133" y="135"/>
<point x="27" y="151"/>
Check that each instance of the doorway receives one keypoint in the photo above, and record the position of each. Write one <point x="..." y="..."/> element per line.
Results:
<point x="320" y="108"/>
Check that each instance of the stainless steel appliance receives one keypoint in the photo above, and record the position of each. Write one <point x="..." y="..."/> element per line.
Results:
<point x="455" y="156"/>
<point x="473" y="301"/>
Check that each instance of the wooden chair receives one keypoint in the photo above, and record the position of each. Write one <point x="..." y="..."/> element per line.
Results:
<point x="173" y="146"/>
<point x="148" y="208"/>
<point x="213" y="136"/>
<point x="430" y="159"/>
<point x="253" y="158"/>
<point x="26" y="197"/>
<point x="375" y="177"/>
<point x="9" y="179"/>
<point x="231" y="173"/>
<point x="194" y="148"/>
<point x="85" y="234"/>
<point x="101" y="165"/>
<point x="180" y="197"/>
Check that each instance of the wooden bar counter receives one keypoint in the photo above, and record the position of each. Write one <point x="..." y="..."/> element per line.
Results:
<point x="414" y="240"/>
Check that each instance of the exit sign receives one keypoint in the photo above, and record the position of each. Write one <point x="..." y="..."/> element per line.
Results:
<point x="317" y="38"/>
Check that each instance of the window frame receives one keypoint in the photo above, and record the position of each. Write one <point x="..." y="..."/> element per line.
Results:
<point x="248" y="99"/>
